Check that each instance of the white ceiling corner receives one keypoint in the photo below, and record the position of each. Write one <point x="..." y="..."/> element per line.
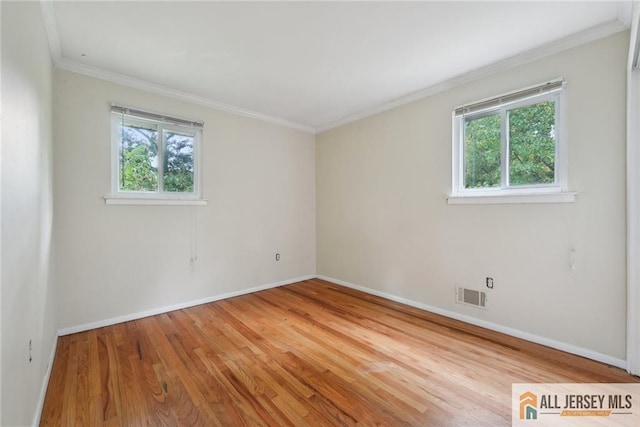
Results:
<point x="312" y="66"/>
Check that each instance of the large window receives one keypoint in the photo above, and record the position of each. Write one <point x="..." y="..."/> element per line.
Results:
<point x="511" y="145"/>
<point x="154" y="157"/>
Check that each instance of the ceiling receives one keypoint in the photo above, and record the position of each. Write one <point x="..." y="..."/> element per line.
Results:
<point x="311" y="65"/>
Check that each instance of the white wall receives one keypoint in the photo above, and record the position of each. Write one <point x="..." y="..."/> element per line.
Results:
<point x="116" y="261"/>
<point x="383" y="221"/>
<point x="0" y="214"/>
<point x="28" y="298"/>
<point x="633" y="199"/>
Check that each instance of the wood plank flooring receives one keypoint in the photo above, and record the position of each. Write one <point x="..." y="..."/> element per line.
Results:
<point x="312" y="353"/>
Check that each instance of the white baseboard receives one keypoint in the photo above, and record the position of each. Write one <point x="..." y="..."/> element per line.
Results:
<point x="569" y="348"/>
<point x="166" y="309"/>
<point x="45" y="384"/>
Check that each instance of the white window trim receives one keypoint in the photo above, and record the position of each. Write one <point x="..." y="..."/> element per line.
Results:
<point x="132" y="201"/>
<point x="547" y="193"/>
<point x="158" y="198"/>
<point x="513" y="198"/>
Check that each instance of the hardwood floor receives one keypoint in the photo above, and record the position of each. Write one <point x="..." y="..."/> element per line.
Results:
<point x="311" y="353"/>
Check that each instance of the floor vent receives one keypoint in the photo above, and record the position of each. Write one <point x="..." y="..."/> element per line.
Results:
<point x="471" y="297"/>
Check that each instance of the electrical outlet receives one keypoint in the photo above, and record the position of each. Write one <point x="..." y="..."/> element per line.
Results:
<point x="30" y="349"/>
<point x="277" y="257"/>
<point x="489" y="282"/>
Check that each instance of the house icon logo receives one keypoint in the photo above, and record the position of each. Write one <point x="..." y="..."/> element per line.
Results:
<point x="528" y="406"/>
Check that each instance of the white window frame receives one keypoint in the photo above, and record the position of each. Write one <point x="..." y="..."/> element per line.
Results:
<point x="159" y="197"/>
<point x="556" y="192"/>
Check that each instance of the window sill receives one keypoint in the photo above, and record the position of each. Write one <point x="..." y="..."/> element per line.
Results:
<point x="110" y="200"/>
<point x="503" y="199"/>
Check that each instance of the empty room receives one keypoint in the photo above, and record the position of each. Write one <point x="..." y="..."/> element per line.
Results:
<point x="320" y="213"/>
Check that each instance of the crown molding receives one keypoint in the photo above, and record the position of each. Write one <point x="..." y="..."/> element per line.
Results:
<point x="62" y="63"/>
<point x="583" y="37"/>
<point x="600" y="31"/>
<point x="99" y="73"/>
<point x="51" y="28"/>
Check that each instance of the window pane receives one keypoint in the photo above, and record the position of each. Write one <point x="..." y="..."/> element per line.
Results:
<point x="532" y="144"/>
<point x="178" y="162"/>
<point x="482" y="152"/>
<point x="138" y="157"/>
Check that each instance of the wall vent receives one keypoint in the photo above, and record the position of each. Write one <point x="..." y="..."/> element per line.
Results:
<point x="471" y="297"/>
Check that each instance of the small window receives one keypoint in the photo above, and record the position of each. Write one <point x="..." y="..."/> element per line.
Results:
<point x="154" y="157"/>
<point x="511" y="145"/>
